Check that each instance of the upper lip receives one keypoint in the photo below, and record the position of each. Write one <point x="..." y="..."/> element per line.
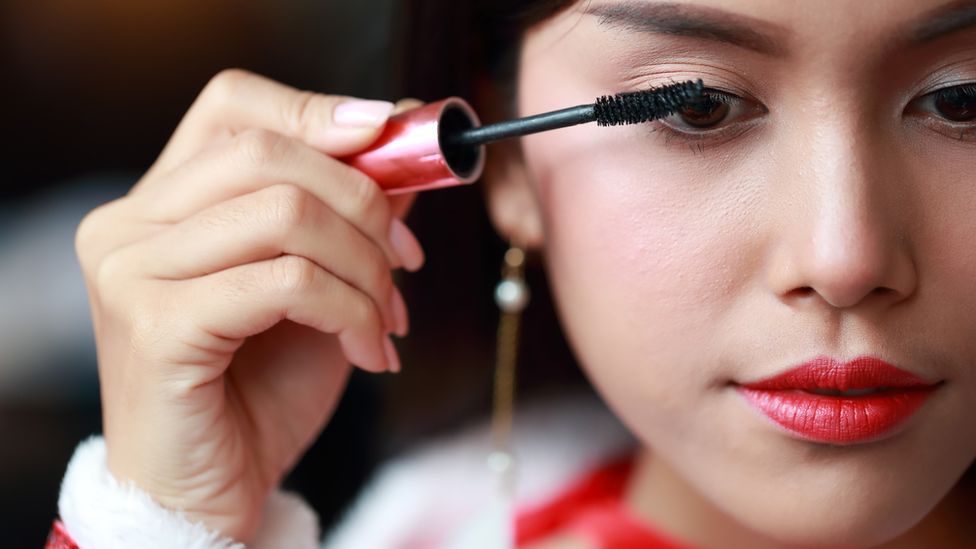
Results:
<point x="823" y="372"/>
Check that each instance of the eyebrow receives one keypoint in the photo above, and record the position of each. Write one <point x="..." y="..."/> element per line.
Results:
<point x="945" y="20"/>
<point x="714" y="24"/>
<point x="694" y="21"/>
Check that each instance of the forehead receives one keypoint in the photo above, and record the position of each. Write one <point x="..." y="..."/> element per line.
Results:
<point x="782" y="27"/>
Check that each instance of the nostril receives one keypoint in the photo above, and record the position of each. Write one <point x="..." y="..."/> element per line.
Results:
<point x="797" y="294"/>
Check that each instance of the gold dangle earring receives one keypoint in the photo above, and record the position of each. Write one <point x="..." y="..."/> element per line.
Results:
<point x="494" y="526"/>
<point x="511" y="296"/>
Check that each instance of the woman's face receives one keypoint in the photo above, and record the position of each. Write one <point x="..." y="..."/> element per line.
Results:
<point x="829" y="212"/>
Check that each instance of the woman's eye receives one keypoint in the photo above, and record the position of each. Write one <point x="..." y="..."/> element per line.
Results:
<point x="953" y="104"/>
<point x="957" y="103"/>
<point x="705" y="113"/>
<point x="950" y="111"/>
<point x="716" y="110"/>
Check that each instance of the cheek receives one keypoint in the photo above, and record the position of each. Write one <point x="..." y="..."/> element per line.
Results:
<point x="647" y="246"/>
<point x="646" y="258"/>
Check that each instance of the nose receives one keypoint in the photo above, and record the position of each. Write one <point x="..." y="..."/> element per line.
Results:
<point x="842" y="238"/>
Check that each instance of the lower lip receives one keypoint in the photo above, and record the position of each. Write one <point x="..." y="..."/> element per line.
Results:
<point x="837" y="419"/>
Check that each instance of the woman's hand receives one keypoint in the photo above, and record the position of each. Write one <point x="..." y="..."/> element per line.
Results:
<point x="232" y="288"/>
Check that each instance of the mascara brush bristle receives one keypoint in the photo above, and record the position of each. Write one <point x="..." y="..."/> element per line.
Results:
<point x="644" y="106"/>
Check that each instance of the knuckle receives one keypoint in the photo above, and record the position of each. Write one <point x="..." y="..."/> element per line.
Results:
<point x="289" y="207"/>
<point x="111" y="274"/>
<point x="88" y="234"/>
<point x="365" y="315"/>
<point x="96" y="225"/>
<point x="225" y="84"/>
<point x="367" y="203"/>
<point x="259" y="148"/>
<point x="293" y="274"/>
<point x="303" y="110"/>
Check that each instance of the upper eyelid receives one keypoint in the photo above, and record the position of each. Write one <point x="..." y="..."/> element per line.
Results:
<point x="968" y="87"/>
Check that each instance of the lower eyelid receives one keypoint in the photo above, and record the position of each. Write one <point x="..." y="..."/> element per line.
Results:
<point x="965" y="132"/>
<point x="706" y="138"/>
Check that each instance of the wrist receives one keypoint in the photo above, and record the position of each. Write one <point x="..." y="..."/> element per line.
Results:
<point x="98" y="511"/>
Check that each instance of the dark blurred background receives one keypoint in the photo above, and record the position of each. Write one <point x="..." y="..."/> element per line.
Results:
<point x="91" y="91"/>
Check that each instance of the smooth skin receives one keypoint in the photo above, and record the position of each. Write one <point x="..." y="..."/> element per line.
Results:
<point x="233" y="288"/>
<point x="833" y="215"/>
<point x="830" y="212"/>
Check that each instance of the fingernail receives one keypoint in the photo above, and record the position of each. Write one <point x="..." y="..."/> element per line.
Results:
<point x="362" y="113"/>
<point x="406" y="245"/>
<point x="399" y="308"/>
<point x="391" y="355"/>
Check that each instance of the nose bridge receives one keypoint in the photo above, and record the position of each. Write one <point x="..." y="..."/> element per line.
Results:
<point x="843" y="186"/>
<point x="842" y="238"/>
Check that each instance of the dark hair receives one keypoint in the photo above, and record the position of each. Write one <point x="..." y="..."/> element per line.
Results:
<point x="452" y="46"/>
<point x="462" y="48"/>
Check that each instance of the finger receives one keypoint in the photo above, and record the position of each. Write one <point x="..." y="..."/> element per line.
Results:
<point x="407" y="104"/>
<point x="237" y="100"/>
<point x="245" y="300"/>
<point x="103" y="230"/>
<point x="257" y="159"/>
<point x="274" y="221"/>
<point x="400" y="204"/>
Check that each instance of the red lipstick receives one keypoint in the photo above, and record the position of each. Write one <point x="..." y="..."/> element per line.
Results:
<point x="825" y="400"/>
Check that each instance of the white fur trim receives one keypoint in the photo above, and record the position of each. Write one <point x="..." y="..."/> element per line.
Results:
<point x="419" y="499"/>
<point x="101" y="513"/>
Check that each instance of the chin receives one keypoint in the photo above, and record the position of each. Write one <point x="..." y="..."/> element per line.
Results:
<point x="826" y="516"/>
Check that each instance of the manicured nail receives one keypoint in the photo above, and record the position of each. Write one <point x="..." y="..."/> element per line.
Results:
<point x="362" y="113"/>
<point x="392" y="359"/>
<point x="399" y="308"/>
<point x="406" y="245"/>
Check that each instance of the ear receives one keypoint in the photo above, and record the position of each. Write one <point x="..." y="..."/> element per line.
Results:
<point x="512" y="204"/>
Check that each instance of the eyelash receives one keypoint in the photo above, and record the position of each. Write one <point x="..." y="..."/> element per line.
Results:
<point x="697" y="139"/>
<point x="926" y="105"/>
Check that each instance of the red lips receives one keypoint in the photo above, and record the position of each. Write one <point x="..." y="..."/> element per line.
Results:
<point x="894" y="395"/>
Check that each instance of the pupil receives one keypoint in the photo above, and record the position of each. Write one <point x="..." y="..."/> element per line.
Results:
<point x="956" y="106"/>
<point x="705" y="113"/>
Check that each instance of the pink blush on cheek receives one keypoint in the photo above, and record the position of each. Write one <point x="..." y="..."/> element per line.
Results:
<point x="608" y="223"/>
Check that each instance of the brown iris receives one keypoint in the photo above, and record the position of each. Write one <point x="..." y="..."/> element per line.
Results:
<point x="956" y="105"/>
<point x="705" y="113"/>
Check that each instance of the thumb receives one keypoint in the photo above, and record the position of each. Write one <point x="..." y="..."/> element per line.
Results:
<point x="342" y="125"/>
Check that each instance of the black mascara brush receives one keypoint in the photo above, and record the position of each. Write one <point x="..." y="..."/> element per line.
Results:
<point x="442" y="144"/>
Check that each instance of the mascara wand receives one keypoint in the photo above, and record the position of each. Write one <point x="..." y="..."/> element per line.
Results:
<point x="442" y="144"/>
<point x="609" y="110"/>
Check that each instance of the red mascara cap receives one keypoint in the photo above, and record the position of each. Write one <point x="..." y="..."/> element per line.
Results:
<point x="409" y="155"/>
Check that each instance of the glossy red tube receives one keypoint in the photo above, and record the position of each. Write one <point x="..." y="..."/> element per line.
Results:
<point x="409" y="155"/>
<point x="786" y="399"/>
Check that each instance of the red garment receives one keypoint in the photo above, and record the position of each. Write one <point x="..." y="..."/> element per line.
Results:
<point x="593" y="509"/>
<point x="59" y="538"/>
